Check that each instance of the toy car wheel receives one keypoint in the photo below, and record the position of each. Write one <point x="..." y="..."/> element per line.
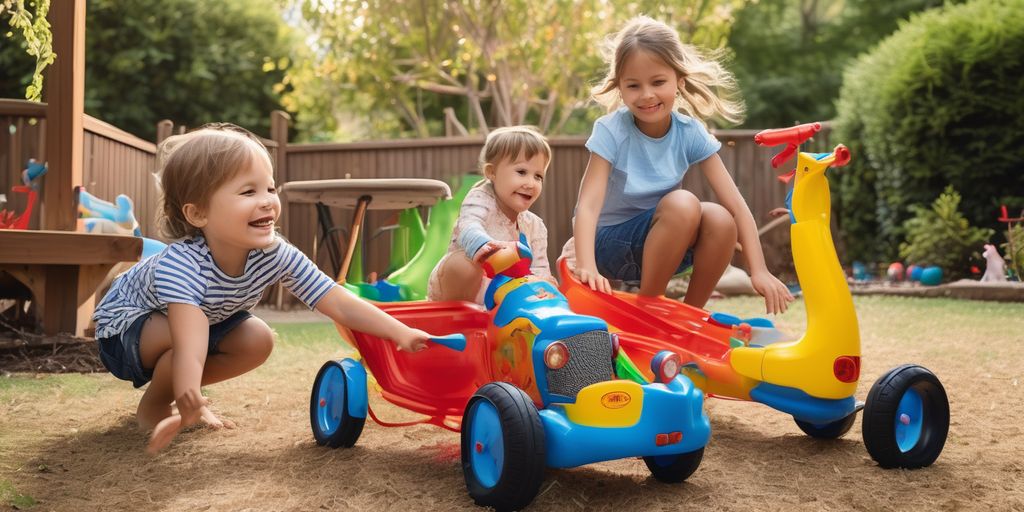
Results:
<point x="833" y="430"/>
<point x="906" y="418"/>
<point x="673" y="469"/>
<point x="502" y="447"/>
<point x="329" y="416"/>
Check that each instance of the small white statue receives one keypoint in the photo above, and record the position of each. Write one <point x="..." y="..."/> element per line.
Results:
<point x="995" y="267"/>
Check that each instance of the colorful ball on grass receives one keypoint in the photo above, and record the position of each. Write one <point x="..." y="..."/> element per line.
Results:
<point x="931" y="276"/>
<point x="860" y="271"/>
<point x="914" y="273"/>
<point x="895" y="271"/>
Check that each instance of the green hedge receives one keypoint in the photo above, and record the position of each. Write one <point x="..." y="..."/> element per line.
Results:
<point x="940" y="102"/>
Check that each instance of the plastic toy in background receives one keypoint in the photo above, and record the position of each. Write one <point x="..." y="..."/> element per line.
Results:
<point x="99" y="216"/>
<point x="406" y="239"/>
<point x="814" y="378"/>
<point x="995" y="266"/>
<point x="895" y="272"/>
<point x="530" y="385"/>
<point x="860" y="272"/>
<point x="914" y="272"/>
<point x="8" y="219"/>
<point x="33" y="170"/>
<point x="412" y="278"/>
<point x="931" y="276"/>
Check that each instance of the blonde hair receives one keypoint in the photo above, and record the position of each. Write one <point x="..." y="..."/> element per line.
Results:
<point x="510" y="142"/>
<point x="709" y="89"/>
<point x="192" y="166"/>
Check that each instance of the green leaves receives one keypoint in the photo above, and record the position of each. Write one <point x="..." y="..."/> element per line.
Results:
<point x="38" y="40"/>
<point x="940" y="235"/>
<point x="936" y="104"/>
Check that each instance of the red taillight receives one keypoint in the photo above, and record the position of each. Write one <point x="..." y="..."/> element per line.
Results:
<point x="847" y="368"/>
<point x="556" y="355"/>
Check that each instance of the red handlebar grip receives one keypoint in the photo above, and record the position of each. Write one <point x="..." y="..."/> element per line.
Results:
<point x="792" y="135"/>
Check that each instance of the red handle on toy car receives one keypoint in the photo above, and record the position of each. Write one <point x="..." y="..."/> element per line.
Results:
<point x="456" y="342"/>
<point x="792" y="137"/>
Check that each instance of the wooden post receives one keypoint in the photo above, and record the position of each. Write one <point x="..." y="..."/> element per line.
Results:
<point x="65" y="97"/>
<point x="279" y="121"/>
<point x="279" y="133"/>
<point x="164" y="129"/>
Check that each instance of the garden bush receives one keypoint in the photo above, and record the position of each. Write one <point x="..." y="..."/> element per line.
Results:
<point x="937" y="103"/>
<point x="941" y="236"/>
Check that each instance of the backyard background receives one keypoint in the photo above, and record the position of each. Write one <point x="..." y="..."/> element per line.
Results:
<point x="926" y="93"/>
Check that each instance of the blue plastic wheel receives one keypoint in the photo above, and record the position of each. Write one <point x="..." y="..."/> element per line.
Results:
<point x="906" y="418"/>
<point x="330" y="418"/>
<point x="502" y="447"/>
<point x="487" y="455"/>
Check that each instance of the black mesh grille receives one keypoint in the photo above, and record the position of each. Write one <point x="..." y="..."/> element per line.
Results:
<point x="590" y="361"/>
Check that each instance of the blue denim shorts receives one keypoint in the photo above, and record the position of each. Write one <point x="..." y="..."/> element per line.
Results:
<point x="120" y="353"/>
<point x="619" y="249"/>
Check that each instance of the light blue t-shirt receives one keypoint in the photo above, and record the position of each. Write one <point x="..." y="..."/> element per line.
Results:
<point x="644" y="169"/>
<point x="185" y="273"/>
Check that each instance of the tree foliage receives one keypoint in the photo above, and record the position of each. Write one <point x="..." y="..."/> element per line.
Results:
<point x="422" y="68"/>
<point x="936" y="104"/>
<point x="190" y="61"/>
<point x="36" y="42"/>
<point x="790" y="54"/>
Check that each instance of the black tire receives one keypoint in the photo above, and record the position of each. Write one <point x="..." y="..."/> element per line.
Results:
<point x="349" y="428"/>
<point x="518" y="477"/>
<point x="676" y="470"/>
<point x="833" y="430"/>
<point x="880" y="427"/>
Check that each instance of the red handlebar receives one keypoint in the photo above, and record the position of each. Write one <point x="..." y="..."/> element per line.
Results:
<point x="792" y="137"/>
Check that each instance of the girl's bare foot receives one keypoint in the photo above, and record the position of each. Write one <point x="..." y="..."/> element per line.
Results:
<point x="168" y="428"/>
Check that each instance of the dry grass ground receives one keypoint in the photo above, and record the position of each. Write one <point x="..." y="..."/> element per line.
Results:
<point x="69" y="442"/>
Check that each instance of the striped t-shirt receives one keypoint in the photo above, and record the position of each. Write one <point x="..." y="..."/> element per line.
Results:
<point x="185" y="273"/>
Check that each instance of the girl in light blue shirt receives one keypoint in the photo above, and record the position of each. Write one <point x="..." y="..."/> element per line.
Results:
<point x="633" y="222"/>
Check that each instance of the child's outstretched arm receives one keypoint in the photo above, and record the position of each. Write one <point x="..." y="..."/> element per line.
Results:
<point x="584" y="230"/>
<point x="190" y="341"/>
<point x="346" y="309"/>
<point x="776" y="295"/>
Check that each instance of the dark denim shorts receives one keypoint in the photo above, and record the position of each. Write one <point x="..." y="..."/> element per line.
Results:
<point x="120" y="354"/>
<point x="619" y="249"/>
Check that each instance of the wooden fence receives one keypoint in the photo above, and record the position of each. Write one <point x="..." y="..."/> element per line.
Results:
<point x="117" y="162"/>
<point x="451" y="157"/>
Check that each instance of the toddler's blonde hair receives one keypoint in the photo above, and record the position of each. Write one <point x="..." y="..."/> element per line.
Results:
<point x="709" y="91"/>
<point x="192" y="166"/>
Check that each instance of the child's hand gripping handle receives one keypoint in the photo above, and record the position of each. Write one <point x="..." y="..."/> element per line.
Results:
<point x="509" y="262"/>
<point x="455" y="341"/>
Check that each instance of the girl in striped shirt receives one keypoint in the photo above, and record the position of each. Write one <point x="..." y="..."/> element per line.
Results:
<point x="180" y="319"/>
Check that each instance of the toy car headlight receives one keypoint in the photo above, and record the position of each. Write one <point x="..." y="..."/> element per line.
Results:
<point x="665" y="365"/>
<point x="556" y="355"/>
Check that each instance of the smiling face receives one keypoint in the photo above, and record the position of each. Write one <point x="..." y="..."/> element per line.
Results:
<point x="240" y="216"/>
<point x="648" y="88"/>
<point x="517" y="182"/>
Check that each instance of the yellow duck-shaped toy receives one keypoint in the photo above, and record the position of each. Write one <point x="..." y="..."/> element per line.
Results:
<point x="825" y="362"/>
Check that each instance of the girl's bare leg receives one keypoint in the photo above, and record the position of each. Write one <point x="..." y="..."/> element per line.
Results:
<point x="247" y="346"/>
<point x="458" y="279"/>
<point x="712" y="252"/>
<point x="673" y="231"/>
